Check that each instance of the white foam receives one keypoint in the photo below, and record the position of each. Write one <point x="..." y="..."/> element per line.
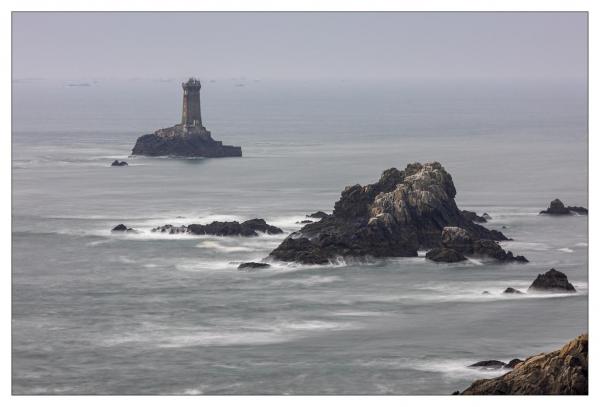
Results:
<point x="582" y="244"/>
<point x="565" y="249"/>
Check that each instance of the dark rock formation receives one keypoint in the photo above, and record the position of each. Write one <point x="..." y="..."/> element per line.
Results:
<point x="122" y="228"/>
<point x="561" y="372"/>
<point x="459" y="240"/>
<point x="511" y="290"/>
<point x="489" y="364"/>
<point x="318" y="215"/>
<point x="486" y="293"/>
<point x="473" y="217"/>
<point x="182" y="141"/>
<point x="558" y="208"/>
<point x="118" y="163"/>
<point x="513" y="363"/>
<point x="445" y="255"/>
<point x="234" y="228"/>
<point x="552" y="280"/>
<point x="580" y="210"/>
<point x="394" y="217"/>
<point x="253" y="265"/>
<point x="303" y="222"/>
<point x="486" y="216"/>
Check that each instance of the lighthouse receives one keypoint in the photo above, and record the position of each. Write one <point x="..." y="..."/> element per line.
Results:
<point x="190" y="116"/>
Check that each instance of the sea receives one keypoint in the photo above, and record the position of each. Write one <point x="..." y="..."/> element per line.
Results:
<point x="95" y="312"/>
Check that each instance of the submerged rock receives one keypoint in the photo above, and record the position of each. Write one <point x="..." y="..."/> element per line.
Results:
<point x="558" y="208"/>
<point x="511" y="290"/>
<point x="552" y="280"/>
<point x="118" y="163"/>
<point x="403" y="212"/>
<point x="562" y="372"/>
<point x="253" y="265"/>
<point x="234" y="228"/>
<point x="445" y="255"/>
<point x="303" y="222"/>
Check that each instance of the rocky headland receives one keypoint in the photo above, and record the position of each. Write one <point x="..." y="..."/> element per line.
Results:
<point x="401" y="213"/>
<point x="558" y="208"/>
<point x="562" y="372"/>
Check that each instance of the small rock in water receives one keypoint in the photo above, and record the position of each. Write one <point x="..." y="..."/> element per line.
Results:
<point x="552" y="280"/>
<point x="304" y="221"/>
<point x="253" y="265"/>
<point x="486" y="292"/>
<point x="122" y="228"/>
<point x="473" y="217"/>
<point x="511" y="290"/>
<point x="486" y="216"/>
<point x="558" y="208"/>
<point x="118" y="163"/>
<point x="318" y="215"/>
<point x="489" y="364"/>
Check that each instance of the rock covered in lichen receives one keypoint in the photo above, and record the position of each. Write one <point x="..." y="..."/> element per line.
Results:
<point x="403" y="212"/>
<point x="562" y="372"/>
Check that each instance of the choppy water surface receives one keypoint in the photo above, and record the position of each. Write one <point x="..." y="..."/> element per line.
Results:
<point x="95" y="312"/>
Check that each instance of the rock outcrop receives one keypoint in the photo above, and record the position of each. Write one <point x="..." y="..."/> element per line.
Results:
<point x="183" y="141"/>
<point x="318" y="215"/>
<point x="403" y="212"/>
<point x="552" y="280"/>
<point x="457" y="240"/>
<point x="489" y="364"/>
<point x="511" y="290"/>
<point x="248" y="228"/>
<point x="118" y="163"/>
<point x="562" y="372"/>
<point x="558" y="208"/>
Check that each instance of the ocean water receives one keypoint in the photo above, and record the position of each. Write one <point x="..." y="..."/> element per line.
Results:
<point x="101" y="313"/>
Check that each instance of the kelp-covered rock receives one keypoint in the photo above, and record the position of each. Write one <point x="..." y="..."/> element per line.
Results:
<point x="403" y="212"/>
<point x="564" y="372"/>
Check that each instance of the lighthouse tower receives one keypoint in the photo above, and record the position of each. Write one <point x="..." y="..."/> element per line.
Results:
<point x="190" y="116"/>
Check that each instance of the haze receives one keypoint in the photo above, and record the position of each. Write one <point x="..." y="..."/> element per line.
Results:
<point x="288" y="46"/>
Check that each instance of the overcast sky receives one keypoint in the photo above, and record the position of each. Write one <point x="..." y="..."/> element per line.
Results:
<point x="544" y="46"/>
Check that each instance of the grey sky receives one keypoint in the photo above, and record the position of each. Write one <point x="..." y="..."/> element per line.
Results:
<point x="503" y="46"/>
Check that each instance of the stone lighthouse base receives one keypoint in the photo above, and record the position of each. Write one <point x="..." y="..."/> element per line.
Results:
<point x="183" y="141"/>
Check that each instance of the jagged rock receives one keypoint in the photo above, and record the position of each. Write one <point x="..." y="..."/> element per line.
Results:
<point x="513" y="363"/>
<point x="403" y="212"/>
<point x="486" y="216"/>
<point x="473" y="217"/>
<point x="562" y="372"/>
<point x="318" y="215"/>
<point x="253" y="265"/>
<point x="461" y="241"/>
<point x="122" y="228"/>
<point x="489" y="364"/>
<point x="118" y="163"/>
<point x="511" y="290"/>
<point x="558" y="208"/>
<point x="234" y="228"/>
<point x="445" y="255"/>
<point x="552" y="280"/>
